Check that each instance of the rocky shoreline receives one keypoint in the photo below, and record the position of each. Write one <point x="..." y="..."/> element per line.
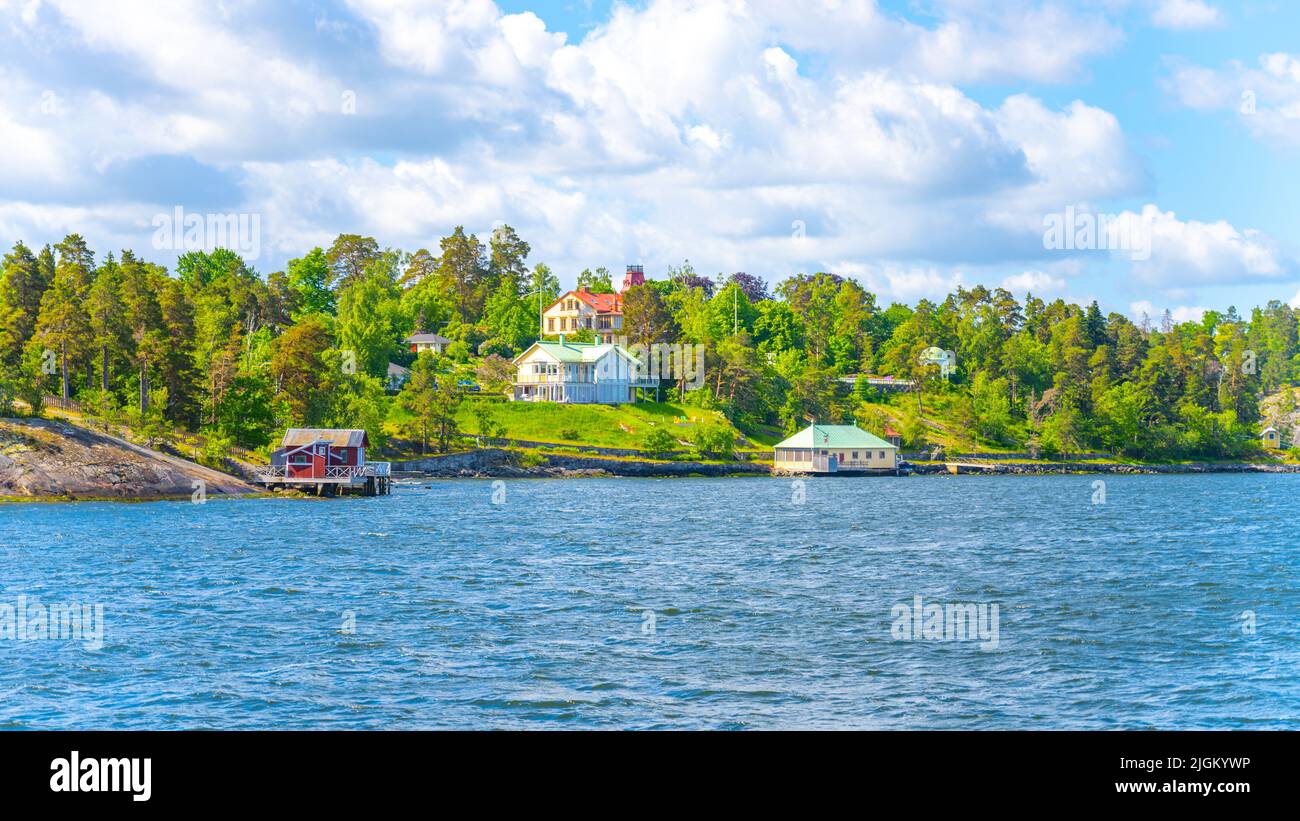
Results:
<point x="496" y="463"/>
<point x="41" y="459"/>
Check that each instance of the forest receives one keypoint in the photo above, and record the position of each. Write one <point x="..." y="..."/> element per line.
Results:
<point x="215" y="347"/>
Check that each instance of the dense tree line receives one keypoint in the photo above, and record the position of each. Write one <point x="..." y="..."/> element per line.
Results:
<point x="215" y="346"/>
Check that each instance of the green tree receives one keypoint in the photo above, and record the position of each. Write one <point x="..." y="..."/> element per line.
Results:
<point x="309" y="277"/>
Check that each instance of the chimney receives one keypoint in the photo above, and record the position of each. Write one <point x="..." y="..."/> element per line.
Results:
<point x="635" y="275"/>
<point x="582" y="289"/>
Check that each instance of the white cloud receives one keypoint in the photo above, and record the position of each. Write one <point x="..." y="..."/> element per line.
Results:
<point x="674" y="129"/>
<point x="1038" y="283"/>
<point x="1191" y="252"/>
<point x="1153" y="314"/>
<point x="1184" y="14"/>
<point x="1265" y="99"/>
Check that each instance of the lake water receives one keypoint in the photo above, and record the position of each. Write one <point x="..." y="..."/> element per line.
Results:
<point x="624" y="603"/>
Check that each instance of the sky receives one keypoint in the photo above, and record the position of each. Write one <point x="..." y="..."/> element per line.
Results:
<point x="1142" y="153"/>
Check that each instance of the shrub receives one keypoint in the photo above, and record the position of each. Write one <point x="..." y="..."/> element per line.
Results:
<point x="714" y="439"/>
<point x="659" y="441"/>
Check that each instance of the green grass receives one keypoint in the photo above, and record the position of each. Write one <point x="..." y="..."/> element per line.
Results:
<point x="611" y="426"/>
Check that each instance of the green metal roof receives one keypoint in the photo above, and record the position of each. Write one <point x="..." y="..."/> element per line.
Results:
<point x="574" y="351"/>
<point x="834" y="436"/>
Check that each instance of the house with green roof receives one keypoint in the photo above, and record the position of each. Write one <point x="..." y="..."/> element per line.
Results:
<point x="835" y="448"/>
<point x="577" y="372"/>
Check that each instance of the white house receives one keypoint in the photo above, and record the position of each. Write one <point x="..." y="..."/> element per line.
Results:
<point x="835" y="448"/>
<point x="427" y="342"/>
<point x="576" y="372"/>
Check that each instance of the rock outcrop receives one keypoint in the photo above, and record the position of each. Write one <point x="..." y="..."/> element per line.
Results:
<point x="40" y="458"/>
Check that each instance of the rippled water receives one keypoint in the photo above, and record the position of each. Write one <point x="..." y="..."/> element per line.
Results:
<point x="762" y="613"/>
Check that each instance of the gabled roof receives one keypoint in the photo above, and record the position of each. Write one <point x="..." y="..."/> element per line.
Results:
<point x="600" y="303"/>
<point x="834" y="436"/>
<point x="339" y="438"/>
<point x="395" y="369"/>
<point x="427" y="338"/>
<point x="575" y="352"/>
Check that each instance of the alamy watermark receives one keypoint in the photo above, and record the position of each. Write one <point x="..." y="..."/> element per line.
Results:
<point x="662" y="360"/>
<point x="1073" y="230"/>
<point x="32" y="621"/>
<point x="953" y="621"/>
<point x="187" y="231"/>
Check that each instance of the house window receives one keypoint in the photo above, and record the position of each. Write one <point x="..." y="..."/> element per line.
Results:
<point x="882" y="454"/>
<point x="855" y="456"/>
<point x="550" y="323"/>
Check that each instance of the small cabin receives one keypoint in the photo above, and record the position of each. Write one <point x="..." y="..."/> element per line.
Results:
<point x="1271" y="438"/>
<point x="420" y="343"/>
<point x="836" y="449"/>
<point x="328" y="459"/>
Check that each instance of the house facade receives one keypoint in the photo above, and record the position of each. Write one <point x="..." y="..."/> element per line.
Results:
<point x="576" y="372"/>
<point x="1271" y="438"/>
<point x="835" y="448"/>
<point x="581" y="310"/>
<point x="419" y="343"/>
<point x="396" y="377"/>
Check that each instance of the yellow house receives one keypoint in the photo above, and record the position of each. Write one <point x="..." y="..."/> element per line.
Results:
<point x="1271" y="438"/>
<point x="835" y="448"/>
<point x="581" y="310"/>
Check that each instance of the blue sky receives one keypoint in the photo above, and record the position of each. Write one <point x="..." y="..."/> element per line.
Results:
<point x="915" y="145"/>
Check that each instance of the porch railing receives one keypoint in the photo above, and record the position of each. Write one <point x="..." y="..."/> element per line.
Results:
<point x="380" y="469"/>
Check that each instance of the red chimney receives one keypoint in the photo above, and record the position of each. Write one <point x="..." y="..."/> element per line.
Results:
<point x="635" y="276"/>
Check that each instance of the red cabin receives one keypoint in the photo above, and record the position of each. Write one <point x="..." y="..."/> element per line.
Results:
<point x="331" y="459"/>
<point x="310" y="453"/>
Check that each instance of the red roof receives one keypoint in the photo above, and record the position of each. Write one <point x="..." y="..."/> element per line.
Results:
<point x="600" y="303"/>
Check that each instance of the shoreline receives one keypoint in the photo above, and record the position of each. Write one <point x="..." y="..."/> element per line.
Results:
<point x="413" y="478"/>
<point x="500" y="464"/>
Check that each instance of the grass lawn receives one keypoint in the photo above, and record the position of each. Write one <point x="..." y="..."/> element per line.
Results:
<point x="611" y="426"/>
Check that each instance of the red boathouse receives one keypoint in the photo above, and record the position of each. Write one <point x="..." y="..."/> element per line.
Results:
<point x="331" y="460"/>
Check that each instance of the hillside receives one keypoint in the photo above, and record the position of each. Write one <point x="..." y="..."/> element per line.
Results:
<point x="44" y="458"/>
<point x="611" y="426"/>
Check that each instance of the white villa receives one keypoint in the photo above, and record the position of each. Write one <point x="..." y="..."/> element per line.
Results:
<point x="834" y="448"/>
<point x="576" y="372"/>
<point x="427" y="342"/>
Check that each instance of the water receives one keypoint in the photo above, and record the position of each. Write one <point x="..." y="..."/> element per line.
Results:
<point x="763" y="613"/>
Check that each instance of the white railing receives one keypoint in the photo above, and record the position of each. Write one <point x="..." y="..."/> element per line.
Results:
<point x="380" y="469"/>
<point x="539" y="379"/>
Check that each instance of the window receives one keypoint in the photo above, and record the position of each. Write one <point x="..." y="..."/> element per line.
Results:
<point x="882" y="454"/>
<point x="855" y="456"/>
<point x="550" y="323"/>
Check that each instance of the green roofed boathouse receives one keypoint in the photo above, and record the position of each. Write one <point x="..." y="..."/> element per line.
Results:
<point x="836" y="449"/>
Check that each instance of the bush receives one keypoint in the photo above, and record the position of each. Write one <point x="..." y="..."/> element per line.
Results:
<point x="528" y="458"/>
<point x="714" y="440"/>
<point x="659" y="441"/>
<point x="570" y="434"/>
